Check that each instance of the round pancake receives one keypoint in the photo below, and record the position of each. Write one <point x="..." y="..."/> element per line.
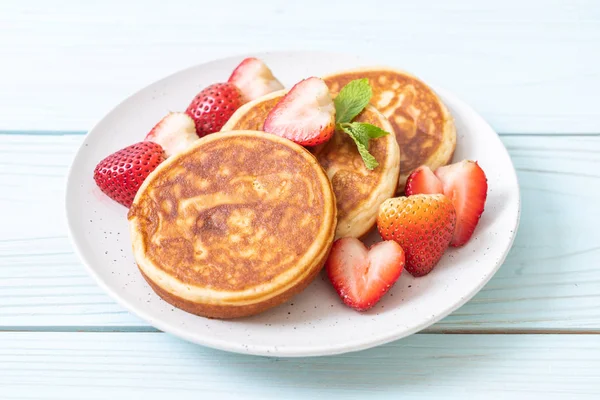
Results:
<point x="358" y="191"/>
<point x="235" y="224"/>
<point x="423" y="125"/>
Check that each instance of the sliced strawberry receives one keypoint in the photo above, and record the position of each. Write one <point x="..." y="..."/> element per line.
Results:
<point x="254" y="79"/>
<point x="423" y="181"/>
<point x="422" y="224"/>
<point x="360" y="276"/>
<point x="121" y="174"/>
<point x="174" y="133"/>
<point x="305" y="115"/>
<point x="213" y="106"/>
<point x="465" y="184"/>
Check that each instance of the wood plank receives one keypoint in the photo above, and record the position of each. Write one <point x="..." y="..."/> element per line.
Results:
<point x="549" y="281"/>
<point x="526" y="66"/>
<point x="154" y="365"/>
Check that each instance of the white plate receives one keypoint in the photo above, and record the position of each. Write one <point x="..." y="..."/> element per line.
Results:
<point x="314" y="322"/>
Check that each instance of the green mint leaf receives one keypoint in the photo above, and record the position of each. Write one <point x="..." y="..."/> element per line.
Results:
<point x="361" y="140"/>
<point x="370" y="161"/>
<point x="368" y="130"/>
<point x="351" y="100"/>
<point x="364" y="132"/>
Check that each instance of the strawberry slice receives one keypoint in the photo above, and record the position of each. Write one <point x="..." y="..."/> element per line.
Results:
<point x="423" y="181"/>
<point x="360" y="276"/>
<point x="213" y="106"/>
<point x="465" y="184"/>
<point x="254" y="79"/>
<point x="121" y="174"/>
<point x="305" y="115"/>
<point x="174" y="133"/>
<point x="422" y="224"/>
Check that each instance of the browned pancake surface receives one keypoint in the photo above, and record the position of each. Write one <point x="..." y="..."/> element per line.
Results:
<point x="233" y="213"/>
<point x="352" y="182"/>
<point x="412" y="108"/>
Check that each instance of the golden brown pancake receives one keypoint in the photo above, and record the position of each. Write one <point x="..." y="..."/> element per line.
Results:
<point x="423" y="125"/>
<point x="236" y="224"/>
<point x="358" y="191"/>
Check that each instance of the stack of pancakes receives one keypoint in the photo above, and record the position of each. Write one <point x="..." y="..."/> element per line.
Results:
<point x="243" y="220"/>
<point x="421" y="122"/>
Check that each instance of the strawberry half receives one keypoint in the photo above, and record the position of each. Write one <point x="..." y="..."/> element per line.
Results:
<point x="121" y="174"/>
<point x="254" y="79"/>
<point x="423" y="181"/>
<point x="213" y="106"/>
<point x="305" y="115"/>
<point x="422" y="224"/>
<point x="465" y="184"/>
<point x="174" y="133"/>
<point x="360" y="276"/>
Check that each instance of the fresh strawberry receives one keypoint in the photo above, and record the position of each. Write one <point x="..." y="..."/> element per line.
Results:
<point x="465" y="185"/>
<point x="305" y="115"/>
<point x="174" y="133"/>
<point x="360" y="276"/>
<point x="422" y="224"/>
<point x="254" y="79"/>
<point x="212" y="107"/>
<point x="423" y="181"/>
<point x="121" y="174"/>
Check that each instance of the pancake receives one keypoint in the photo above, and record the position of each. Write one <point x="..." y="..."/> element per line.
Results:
<point x="423" y="125"/>
<point x="358" y="191"/>
<point x="237" y="223"/>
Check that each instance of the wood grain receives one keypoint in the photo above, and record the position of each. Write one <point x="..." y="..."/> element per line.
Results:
<point x="526" y="66"/>
<point x="549" y="282"/>
<point x="155" y="365"/>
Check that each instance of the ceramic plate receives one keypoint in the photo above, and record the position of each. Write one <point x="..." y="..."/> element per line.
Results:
<point x="314" y="322"/>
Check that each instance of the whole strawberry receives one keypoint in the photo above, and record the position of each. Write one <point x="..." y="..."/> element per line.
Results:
<point x="213" y="106"/>
<point x="422" y="224"/>
<point x="121" y="174"/>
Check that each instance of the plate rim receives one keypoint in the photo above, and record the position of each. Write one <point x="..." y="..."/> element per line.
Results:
<point x="271" y="350"/>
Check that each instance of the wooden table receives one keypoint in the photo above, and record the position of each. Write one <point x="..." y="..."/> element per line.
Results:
<point x="531" y="68"/>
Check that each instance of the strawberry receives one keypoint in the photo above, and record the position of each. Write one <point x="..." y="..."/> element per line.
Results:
<point x="305" y="115"/>
<point x="465" y="184"/>
<point x="212" y="107"/>
<point x="174" y="133"/>
<point x="422" y="224"/>
<point x="423" y="181"/>
<point x="254" y="79"/>
<point x="121" y="174"/>
<point x="360" y="276"/>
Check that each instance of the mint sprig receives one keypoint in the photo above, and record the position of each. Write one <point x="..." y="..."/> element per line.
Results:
<point x="351" y="101"/>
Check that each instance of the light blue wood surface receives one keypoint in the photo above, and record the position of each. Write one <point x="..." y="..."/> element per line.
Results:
<point x="530" y="67"/>
<point x="155" y="366"/>
<point x="527" y="66"/>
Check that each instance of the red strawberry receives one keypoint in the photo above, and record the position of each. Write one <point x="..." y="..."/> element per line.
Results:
<point x="121" y="174"/>
<point x="212" y="107"/>
<point x="423" y="181"/>
<point x="306" y="115"/>
<point x="254" y="79"/>
<point x="174" y="133"/>
<point x="422" y="224"/>
<point x="360" y="276"/>
<point x="466" y="185"/>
